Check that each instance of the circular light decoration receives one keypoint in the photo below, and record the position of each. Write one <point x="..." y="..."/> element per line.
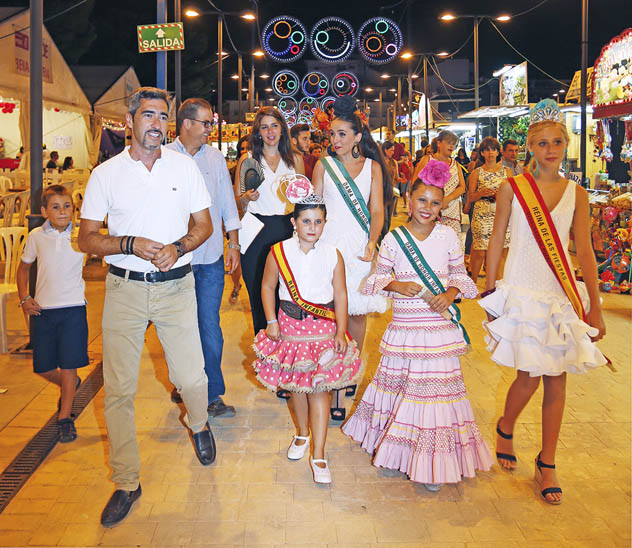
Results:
<point x="287" y="106"/>
<point x="326" y="102"/>
<point x="291" y="119"/>
<point x="332" y="39"/>
<point x="305" y="118"/>
<point x="284" y="39"/>
<point x="285" y="83"/>
<point x="345" y="83"/>
<point x="315" y="84"/>
<point x="307" y="107"/>
<point x="380" y="40"/>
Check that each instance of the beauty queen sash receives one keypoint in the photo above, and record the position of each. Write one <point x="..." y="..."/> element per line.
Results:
<point x="539" y="218"/>
<point x="288" y="278"/>
<point x="426" y="274"/>
<point x="349" y="191"/>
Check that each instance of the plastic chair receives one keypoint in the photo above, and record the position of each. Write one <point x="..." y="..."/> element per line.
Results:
<point x="5" y="184"/>
<point x="13" y="240"/>
<point x="7" y="209"/>
<point x="22" y="205"/>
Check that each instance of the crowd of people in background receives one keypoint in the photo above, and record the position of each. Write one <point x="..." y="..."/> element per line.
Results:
<point x="305" y="219"/>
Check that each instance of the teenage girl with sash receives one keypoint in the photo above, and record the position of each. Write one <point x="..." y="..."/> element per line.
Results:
<point x="415" y="415"/>
<point x="541" y="321"/>
<point x="304" y="349"/>
<point x="269" y="144"/>
<point x="355" y="185"/>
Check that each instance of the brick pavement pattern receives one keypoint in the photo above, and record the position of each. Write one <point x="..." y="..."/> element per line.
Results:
<point x="254" y="496"/>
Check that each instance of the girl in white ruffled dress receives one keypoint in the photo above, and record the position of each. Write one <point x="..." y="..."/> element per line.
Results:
<point x="532" y="325"/>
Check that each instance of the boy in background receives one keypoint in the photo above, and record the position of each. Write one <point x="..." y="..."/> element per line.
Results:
<point x="58" y="310"/>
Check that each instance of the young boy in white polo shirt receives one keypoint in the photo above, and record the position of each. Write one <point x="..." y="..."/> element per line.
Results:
<point x="58" y="311"/>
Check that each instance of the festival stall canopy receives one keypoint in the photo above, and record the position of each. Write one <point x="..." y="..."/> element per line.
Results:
<point x="67" y="124"/>
<point x="107" y="88"/>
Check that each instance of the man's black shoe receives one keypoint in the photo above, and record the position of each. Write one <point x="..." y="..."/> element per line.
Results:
<point x="204" y="444"/>
<point x="218" y="408"/>
<point x="175" y="396"/>
<point x="119" y="506"/>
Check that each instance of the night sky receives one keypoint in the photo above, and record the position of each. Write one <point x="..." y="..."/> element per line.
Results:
<point x="549" y="35"/>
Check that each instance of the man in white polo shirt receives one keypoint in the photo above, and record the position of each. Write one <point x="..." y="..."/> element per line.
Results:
<point x="148" y="194"/>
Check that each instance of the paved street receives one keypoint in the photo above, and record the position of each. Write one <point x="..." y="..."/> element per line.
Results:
<point x="253" y="495"/>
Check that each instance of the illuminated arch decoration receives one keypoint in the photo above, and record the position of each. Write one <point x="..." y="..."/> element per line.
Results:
<point x="332" y="39"/>
<point x="291" y="119"/>
<point x="380" y="40"/>
<point x="345" y="83"/>
<point x="286" y="83"/>
<point x="315" y="84"/>
<point x="287" y="106"/>
<point x="284" y="39"/>
<point x="326" y="102"/>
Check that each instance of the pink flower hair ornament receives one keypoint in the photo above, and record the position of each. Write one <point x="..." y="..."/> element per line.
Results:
<point x="435" y="173"/>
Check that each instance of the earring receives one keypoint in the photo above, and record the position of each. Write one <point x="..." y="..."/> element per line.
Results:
<point x="537" y="168"/>
<point x="355" y="151"/>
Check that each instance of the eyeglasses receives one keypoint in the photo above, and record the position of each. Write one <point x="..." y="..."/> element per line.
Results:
<point x="205" y="123"/>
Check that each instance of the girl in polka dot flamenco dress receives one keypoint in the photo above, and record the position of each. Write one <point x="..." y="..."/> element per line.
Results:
<point x="415" y="415"/>
<point x="305" y="349"/>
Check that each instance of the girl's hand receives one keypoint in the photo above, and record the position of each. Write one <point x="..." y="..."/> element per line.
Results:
<point x="31" y="307"/>
<point x="439" y="303"/>
<point x="251" y="195"/>
<point x="369" y="252"/>
<point x="408" y="289"/>
<point x="273" y="331"/>
<point x="340" y="343"/>
<point x="595" y="319"/>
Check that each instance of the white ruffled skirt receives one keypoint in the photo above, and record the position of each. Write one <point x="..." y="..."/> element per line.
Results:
<point x="539" y="332"/>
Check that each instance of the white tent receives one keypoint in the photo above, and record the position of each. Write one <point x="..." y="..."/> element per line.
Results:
<point x="67" y="111"/>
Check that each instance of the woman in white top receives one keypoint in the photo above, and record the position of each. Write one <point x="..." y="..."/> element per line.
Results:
<point x="270" y="145"/>
<point x="358" y="156"/>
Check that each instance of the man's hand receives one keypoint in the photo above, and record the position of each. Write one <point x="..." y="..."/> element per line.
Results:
<point x="146" y="248"/>
<point x="165" y="258"/>
<point x="232" y="259"/>
<point x="31" y="307"/>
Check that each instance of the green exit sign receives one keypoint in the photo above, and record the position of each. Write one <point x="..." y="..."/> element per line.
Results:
<point x="160" y="37"/>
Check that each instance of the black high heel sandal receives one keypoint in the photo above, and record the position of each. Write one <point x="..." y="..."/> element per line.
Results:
<point x="504" y="456"/>
<point x="338" y="413"/>
<point x="538" y="478"/>
<point x="351" y="390"/>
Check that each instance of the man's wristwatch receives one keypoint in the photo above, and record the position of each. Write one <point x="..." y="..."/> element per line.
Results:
<point x="180" y="248"/>
<point x="234" y="246"/>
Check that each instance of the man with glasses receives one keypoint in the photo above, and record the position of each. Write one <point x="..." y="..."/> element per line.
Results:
<point x="157" y="209"/>
<point x="193" y="124"/>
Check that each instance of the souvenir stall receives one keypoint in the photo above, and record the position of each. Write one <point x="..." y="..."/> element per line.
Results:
<point x="611" y="200"/>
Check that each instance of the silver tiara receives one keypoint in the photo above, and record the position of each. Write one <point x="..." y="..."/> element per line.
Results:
<point x="312" y="199"/>
<point x="546" y="110"/>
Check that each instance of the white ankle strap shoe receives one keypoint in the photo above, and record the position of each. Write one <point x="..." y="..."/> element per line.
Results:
<point x="321" y="475"/>
<point x="297" y="452"/>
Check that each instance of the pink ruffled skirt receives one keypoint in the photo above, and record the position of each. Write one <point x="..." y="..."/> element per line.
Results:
<point x="304" y="358"/>
<point x="415" y="415"/>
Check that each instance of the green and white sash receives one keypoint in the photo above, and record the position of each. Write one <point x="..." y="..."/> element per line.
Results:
<point x="426" y="274"/>
<point x="349" y="191"/>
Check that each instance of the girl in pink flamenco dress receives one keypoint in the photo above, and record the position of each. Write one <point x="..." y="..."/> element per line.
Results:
<point x="415" y="415"/>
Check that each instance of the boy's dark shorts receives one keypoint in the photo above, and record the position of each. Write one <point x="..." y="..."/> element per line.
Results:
<point x="60" y="339"/>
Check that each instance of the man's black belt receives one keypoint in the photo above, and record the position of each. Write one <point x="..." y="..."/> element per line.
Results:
<point x="152" y="277"/>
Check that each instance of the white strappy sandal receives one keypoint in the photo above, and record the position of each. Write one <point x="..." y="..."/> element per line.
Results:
<point x="297" y="452"/>
<point x="321" y="475"/>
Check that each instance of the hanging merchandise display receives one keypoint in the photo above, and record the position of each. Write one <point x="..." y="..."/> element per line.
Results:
<point x="626" y="148"/>
<point x="345" y="83"/>
<point x="612" y="80"/>
<point x="284" y="39"/>
<point x="332" y="39"/>
<point x="380" y="40"/>
<point x="285" y="83"/>
<point x="315" y="84"/>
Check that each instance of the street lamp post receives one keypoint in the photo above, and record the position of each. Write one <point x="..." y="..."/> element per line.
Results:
<point x="220" y="29"/>
<point x="477" y="19"/>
